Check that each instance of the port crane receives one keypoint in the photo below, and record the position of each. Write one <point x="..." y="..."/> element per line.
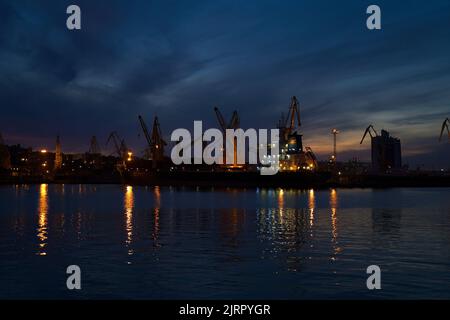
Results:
<point x="287" y="125"/>
<point x="233" y="124"/>
<point x="294" y="156"/>
<point x="234" y="121"/>
<point x="371" y="131"/>
<point x="445" y="125"/>
<point x="119" y="145"/>
<point x="155" y="141"/>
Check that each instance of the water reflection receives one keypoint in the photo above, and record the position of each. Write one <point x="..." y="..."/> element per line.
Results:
<point x="334" y="223"/>
<point x="231" y="223"/>
<point x="156" y="211"/>
<point x="42" y="230"/>
<point x="128" y="206"/>
<point x="19" y="221"/>
<point x="77" y="224"/>
<point x="386" y="221"/>
<point x="285" y="228"/>
<point x="285" y="232"/>
<point x="281" y="200"/>
<point x="311" y="206"/>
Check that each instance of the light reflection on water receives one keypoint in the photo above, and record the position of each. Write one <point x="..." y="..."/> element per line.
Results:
<point x="311" y="206"/>
<point x="42" y="230"/>
<point x="128" y="206"/>
<point x="196" y="243"/>
<point x="155" y="233"/>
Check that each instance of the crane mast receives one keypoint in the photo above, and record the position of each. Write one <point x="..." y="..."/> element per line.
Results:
<point x="294" y="114"/>
<point x="156" y="142"/>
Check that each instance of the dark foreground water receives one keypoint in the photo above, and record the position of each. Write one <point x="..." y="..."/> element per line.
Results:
<point x="138" y="242"/>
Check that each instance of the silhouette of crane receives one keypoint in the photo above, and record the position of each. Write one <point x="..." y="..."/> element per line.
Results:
<point x="372" y="133"/>
<point x="233" y="124"/>
<point x="155" y="141"/>
<point x="234" y="121"/>
<point x="119" y="144"/>
<point x="445" y="125"/>
<point x="294" y="114"/>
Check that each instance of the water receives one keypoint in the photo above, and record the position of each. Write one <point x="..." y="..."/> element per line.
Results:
<point x="180" y="243"/>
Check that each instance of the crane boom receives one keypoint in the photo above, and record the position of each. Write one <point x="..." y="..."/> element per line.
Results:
<point x="144" y="128"/>
<point x="445" y="125"/>
<point x="369" y="132"/>
<point x="120" y="148"/>
<point x="220" y="119"/>
<point x="235" y="121"/>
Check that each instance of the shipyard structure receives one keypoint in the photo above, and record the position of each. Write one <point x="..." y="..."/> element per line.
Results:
<point x="297" y="164"/>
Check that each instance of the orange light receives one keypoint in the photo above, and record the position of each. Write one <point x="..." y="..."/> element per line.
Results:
<point x="130" y="155"/>
<point x="44" y="151"/>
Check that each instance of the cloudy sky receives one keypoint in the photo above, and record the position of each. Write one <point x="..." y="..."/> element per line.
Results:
<point x="179" y="59"/>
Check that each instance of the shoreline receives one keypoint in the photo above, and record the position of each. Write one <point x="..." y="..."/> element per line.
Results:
<point x="317" y="181"/>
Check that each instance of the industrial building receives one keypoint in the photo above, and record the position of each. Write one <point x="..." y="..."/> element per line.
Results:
<point x="385" y="150"/>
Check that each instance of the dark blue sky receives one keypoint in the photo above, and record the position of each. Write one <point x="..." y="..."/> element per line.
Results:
<point x="178" y="59"/>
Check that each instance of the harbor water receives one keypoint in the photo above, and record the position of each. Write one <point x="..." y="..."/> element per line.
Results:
<point x="138" y="242"/>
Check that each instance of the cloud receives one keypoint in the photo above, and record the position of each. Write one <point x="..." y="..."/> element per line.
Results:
<point x="179" y="60"/>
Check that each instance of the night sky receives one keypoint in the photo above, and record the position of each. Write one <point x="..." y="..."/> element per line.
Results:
<point x="179" y="59"/>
